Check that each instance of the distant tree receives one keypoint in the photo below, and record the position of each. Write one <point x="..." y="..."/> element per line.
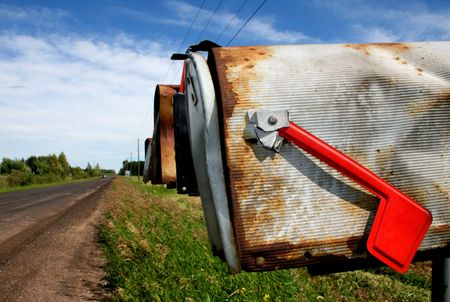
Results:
<point x="97" y="171"/>
<point x="65" y="168"/>
<point x="45" y="169"/>
<point x="8" y="165"/>
<point x="132" y="167"/>
<point x="33" y="163"/>
<point x="89" y="170"/>
<point x="109" y="171"/>
<point x="124" y="167"/>
<point x="40" y="165"/>
<point x="55" y="166"/>
<point x="43" y="165"/>
<point x="77" y="173"/>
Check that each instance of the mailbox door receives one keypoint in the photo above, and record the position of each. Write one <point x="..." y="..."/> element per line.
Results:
<point x="162" y="159"/>
<point x="387" y="106"/>
<point x="205" y="140"/>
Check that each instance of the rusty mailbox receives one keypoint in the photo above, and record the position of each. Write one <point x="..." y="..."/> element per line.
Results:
<point x="159" y="152"/>
<point x="322" y="155"/>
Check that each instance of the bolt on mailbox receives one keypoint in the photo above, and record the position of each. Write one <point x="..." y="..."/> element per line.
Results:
<point x="322" y="155"/>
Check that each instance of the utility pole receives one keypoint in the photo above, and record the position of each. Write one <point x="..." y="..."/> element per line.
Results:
<point x="131" y="163"/>
<point x="139" y="164"/>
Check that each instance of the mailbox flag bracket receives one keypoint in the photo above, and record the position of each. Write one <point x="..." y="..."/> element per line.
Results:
<point x="400" y="223"/>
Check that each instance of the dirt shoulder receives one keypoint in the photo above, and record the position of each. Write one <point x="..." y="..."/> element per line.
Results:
<point x="63" y="262"/>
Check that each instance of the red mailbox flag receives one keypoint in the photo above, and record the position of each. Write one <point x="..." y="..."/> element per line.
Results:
<point x="400" y="223"/>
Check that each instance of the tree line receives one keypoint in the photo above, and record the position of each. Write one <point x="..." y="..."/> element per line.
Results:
<point x="44" y="169"/>
<point x="132" y="166"/>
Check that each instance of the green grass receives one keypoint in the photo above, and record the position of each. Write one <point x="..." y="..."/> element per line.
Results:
<point x="157" y="249"/>
<point x="4" y="188"/>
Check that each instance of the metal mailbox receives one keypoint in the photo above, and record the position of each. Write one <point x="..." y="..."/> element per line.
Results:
<point x="386" y="106"/>
<point x="148" y="152"/>
<point x="160" y="160"/>
<point x="186" y="180"/>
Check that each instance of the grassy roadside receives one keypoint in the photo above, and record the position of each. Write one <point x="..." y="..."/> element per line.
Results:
<point x="157" y="250"/>
<point x="32" y="186"/>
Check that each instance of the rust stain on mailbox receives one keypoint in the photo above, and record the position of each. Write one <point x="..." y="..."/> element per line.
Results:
<point x="291" y="210"/>
<point x="365" y="48"/>
<point x="237" y="63"/>
<point x="429" y="103"/>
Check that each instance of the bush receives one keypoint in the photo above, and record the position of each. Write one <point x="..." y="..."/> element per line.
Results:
<point x="9" y="165"/>
<point x="77" y="173"/>
<point x="19" y="178"/>
<point x="3" y="181"/>
<point x="44" y="179"/>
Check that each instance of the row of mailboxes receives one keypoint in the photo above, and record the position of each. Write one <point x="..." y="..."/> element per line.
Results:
<point x="325" y="156"/>
<point x="168" y="159"/>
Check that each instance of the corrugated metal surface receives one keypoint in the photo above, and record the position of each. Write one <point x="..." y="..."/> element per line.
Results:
<point x="385" y="105"/>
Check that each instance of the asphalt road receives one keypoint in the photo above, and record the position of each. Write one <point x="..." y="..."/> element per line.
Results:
<point x="21" y="210"/>
<point x="48" y="241"/>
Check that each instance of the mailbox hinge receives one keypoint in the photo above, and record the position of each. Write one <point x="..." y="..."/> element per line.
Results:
<point x="262" y="126"/>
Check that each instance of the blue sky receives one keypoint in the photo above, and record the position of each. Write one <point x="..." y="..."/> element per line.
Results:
<point x="79" y="76"/>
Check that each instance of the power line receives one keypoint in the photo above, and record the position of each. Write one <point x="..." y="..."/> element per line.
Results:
<point x="174" y="77"/>
<point x="192" y="24"/>
<point x="210" y="18"/>
<point x="167" y="71"/>
<point x="252" y="15"/>
<point x="231" y="20"/>
<point x="147" y="115"/>
<point x="171" y="62"/>
<point x="141" y="128"/>
<point x="185" y="37"/>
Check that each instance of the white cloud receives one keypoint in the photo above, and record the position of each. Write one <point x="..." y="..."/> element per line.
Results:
<point x="27" y="13"/>
<point x="146" y="17"/>
<point x="262" y="29"/>
<point x="77" y="95"/>
<point x="413" y="22"/>
<point x="41" y="17"/>
<point x="374" y="34"/>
